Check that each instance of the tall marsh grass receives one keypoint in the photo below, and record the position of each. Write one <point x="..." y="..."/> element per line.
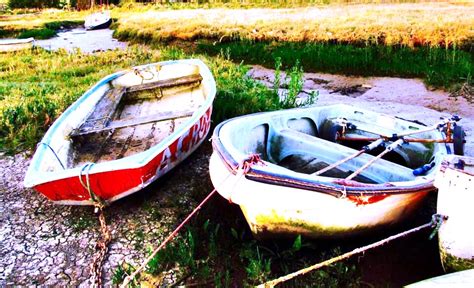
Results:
<point x="438" y="67"/>
<point x="443" y="25"/>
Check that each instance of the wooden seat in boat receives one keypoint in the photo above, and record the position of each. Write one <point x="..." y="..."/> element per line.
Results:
<point x="100" y="119"/>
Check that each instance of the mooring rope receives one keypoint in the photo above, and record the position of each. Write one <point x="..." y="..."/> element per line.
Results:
<point x="436" y="221"/>
<point x="244" y="167"/>
<point x="102" y="246"/>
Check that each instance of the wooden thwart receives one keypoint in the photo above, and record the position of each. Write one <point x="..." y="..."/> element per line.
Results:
<point x="104" y="111"/>
<point x="100" y="119"/>
<point x="166" y="83"/>
<point x="168" y="115"/>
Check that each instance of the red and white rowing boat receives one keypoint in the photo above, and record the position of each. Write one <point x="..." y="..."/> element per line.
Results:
<point x="125" y="132"/>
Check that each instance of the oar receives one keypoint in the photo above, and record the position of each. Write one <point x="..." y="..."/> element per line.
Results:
<point x="427" y="129"/>
<point x="397" y="136"/>
<point x="388" y="149"/>
<point x="365" y="149"/>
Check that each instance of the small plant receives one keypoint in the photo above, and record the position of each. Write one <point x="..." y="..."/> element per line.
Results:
<point x="179" y="252"/>
<point x="41" y="33"/>
<point x="139" y="236"/>
<point x="294" y="83"/>
<point x="257" y="267"/>
<point x="121" y="272"/>
<point x="277" y="76"/>
<point x="82" y="222"/>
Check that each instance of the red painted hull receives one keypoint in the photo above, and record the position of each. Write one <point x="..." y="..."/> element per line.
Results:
<point x="115" y="184"/>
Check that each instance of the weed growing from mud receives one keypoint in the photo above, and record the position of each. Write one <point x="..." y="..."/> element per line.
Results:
<point x="82" y="222"/>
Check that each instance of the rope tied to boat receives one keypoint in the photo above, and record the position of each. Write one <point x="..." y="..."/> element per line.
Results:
<point x="436" y="221"/>
<point x="140" y="73"/>
<point x="98" y="203"/>
<point x="102" y="245"/>
<point x="244" y="166"/>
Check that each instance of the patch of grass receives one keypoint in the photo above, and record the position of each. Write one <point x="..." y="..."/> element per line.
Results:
<point x="409" y="25"/>
<point x="42" y="33"/>
<point x="257" y="267"/>
<point x="238" y="94"/>
<point x="438" y="67"/>
<point x="122" y="271"/>
<point x="180" y="252"/>
<point x="40" y="25"/>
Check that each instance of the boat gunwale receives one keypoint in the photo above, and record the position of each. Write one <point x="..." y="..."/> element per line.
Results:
<point x="16" y="41"/>
<point x="35" y="177"/>
<point x="260" y="174"/>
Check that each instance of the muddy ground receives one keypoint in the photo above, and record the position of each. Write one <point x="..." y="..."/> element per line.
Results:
<point x="46" y="244"/>
<point x="87" y="41"/>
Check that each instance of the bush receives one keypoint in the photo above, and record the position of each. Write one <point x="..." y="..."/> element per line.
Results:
<point x="34" y="3"/>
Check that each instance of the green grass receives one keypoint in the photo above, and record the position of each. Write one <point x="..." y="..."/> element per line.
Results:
<point x="438" y="67"/>
<point x="45" y="31"/>
<point x="209" y="253"/>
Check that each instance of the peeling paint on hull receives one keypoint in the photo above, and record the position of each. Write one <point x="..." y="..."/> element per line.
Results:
<point x="271" y="212"/>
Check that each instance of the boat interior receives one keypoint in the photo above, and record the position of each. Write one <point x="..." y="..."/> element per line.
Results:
<point x="305" y="143"/>
<point x="137" y="111"/>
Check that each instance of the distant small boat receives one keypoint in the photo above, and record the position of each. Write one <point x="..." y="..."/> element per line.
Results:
<point x="125" y="132"/>
<point x="462" y="279"/>
<point x="455" y="183"/>
<point x="284" y="195"/>
<point x="99" y="20"/>
<point x="7" y="45"/>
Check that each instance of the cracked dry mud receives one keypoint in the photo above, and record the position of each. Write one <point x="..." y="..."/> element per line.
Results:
<point x="52" y="245"/>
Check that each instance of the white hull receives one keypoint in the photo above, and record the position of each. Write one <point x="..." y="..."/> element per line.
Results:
<point x="284" y="195"/>
<point x="285" y="211"/>
<point x="463" y="279"/>
<point x="455" y="200"/>
<point x="16" y="44"/>
<point x="98" y="20"/>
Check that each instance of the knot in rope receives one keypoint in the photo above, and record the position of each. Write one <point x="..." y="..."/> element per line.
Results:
<point x="247" y="163"/>
<point x="436" y="221"/>
<point x="141" y="73"/>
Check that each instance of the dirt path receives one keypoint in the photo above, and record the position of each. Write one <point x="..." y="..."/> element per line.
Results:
<point x="406" y="98"/>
